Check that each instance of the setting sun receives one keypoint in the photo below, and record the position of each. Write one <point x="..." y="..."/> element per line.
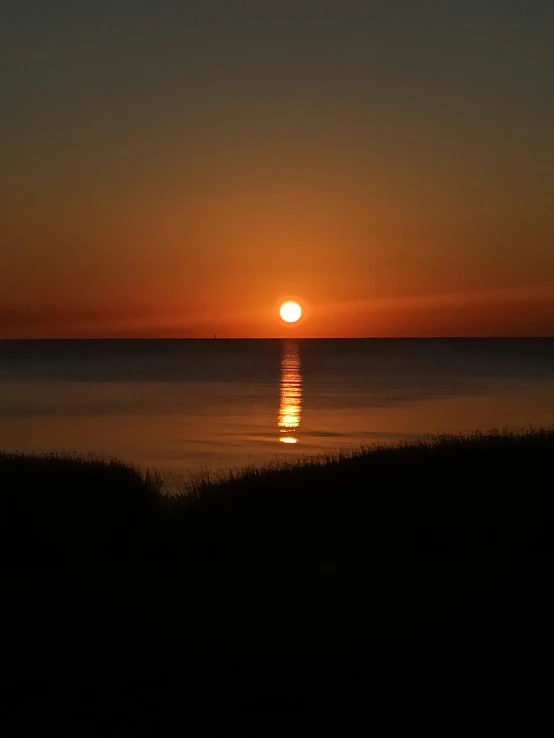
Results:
<point x="290" y="312"/>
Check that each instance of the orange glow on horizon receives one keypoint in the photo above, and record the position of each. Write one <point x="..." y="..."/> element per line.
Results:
<point x="384" y="209"/>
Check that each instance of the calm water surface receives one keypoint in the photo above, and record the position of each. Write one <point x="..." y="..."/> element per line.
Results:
<point x="187" y="404"/>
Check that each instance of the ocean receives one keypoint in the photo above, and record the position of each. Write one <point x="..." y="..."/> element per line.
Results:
<point x="189" y="405"/>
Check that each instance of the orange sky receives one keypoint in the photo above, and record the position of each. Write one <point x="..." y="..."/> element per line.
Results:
<point x="163" y="181"/>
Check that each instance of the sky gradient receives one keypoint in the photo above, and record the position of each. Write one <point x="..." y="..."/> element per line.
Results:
<point x="179" y="168"/>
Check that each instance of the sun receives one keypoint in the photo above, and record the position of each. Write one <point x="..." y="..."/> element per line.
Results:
<point x="290" y="312"/>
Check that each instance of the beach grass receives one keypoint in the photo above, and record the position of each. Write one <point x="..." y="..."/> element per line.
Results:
<point x="447" y="494"/>
<point x="381" y="581"/>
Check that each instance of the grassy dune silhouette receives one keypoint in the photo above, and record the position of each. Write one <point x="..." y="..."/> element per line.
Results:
<point x="381" y="583"/>
<point x="484" y="492"/>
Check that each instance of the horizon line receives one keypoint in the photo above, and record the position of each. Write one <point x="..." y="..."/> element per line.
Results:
<point x="281" y="338"/>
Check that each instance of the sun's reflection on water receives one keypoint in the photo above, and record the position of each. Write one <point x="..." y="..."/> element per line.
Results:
<point x="290" y="398"/>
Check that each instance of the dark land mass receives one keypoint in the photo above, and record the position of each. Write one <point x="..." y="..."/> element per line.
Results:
<point x="406" y="587"/>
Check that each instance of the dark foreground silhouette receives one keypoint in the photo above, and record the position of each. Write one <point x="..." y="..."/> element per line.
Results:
<point x="408" y="586"/>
